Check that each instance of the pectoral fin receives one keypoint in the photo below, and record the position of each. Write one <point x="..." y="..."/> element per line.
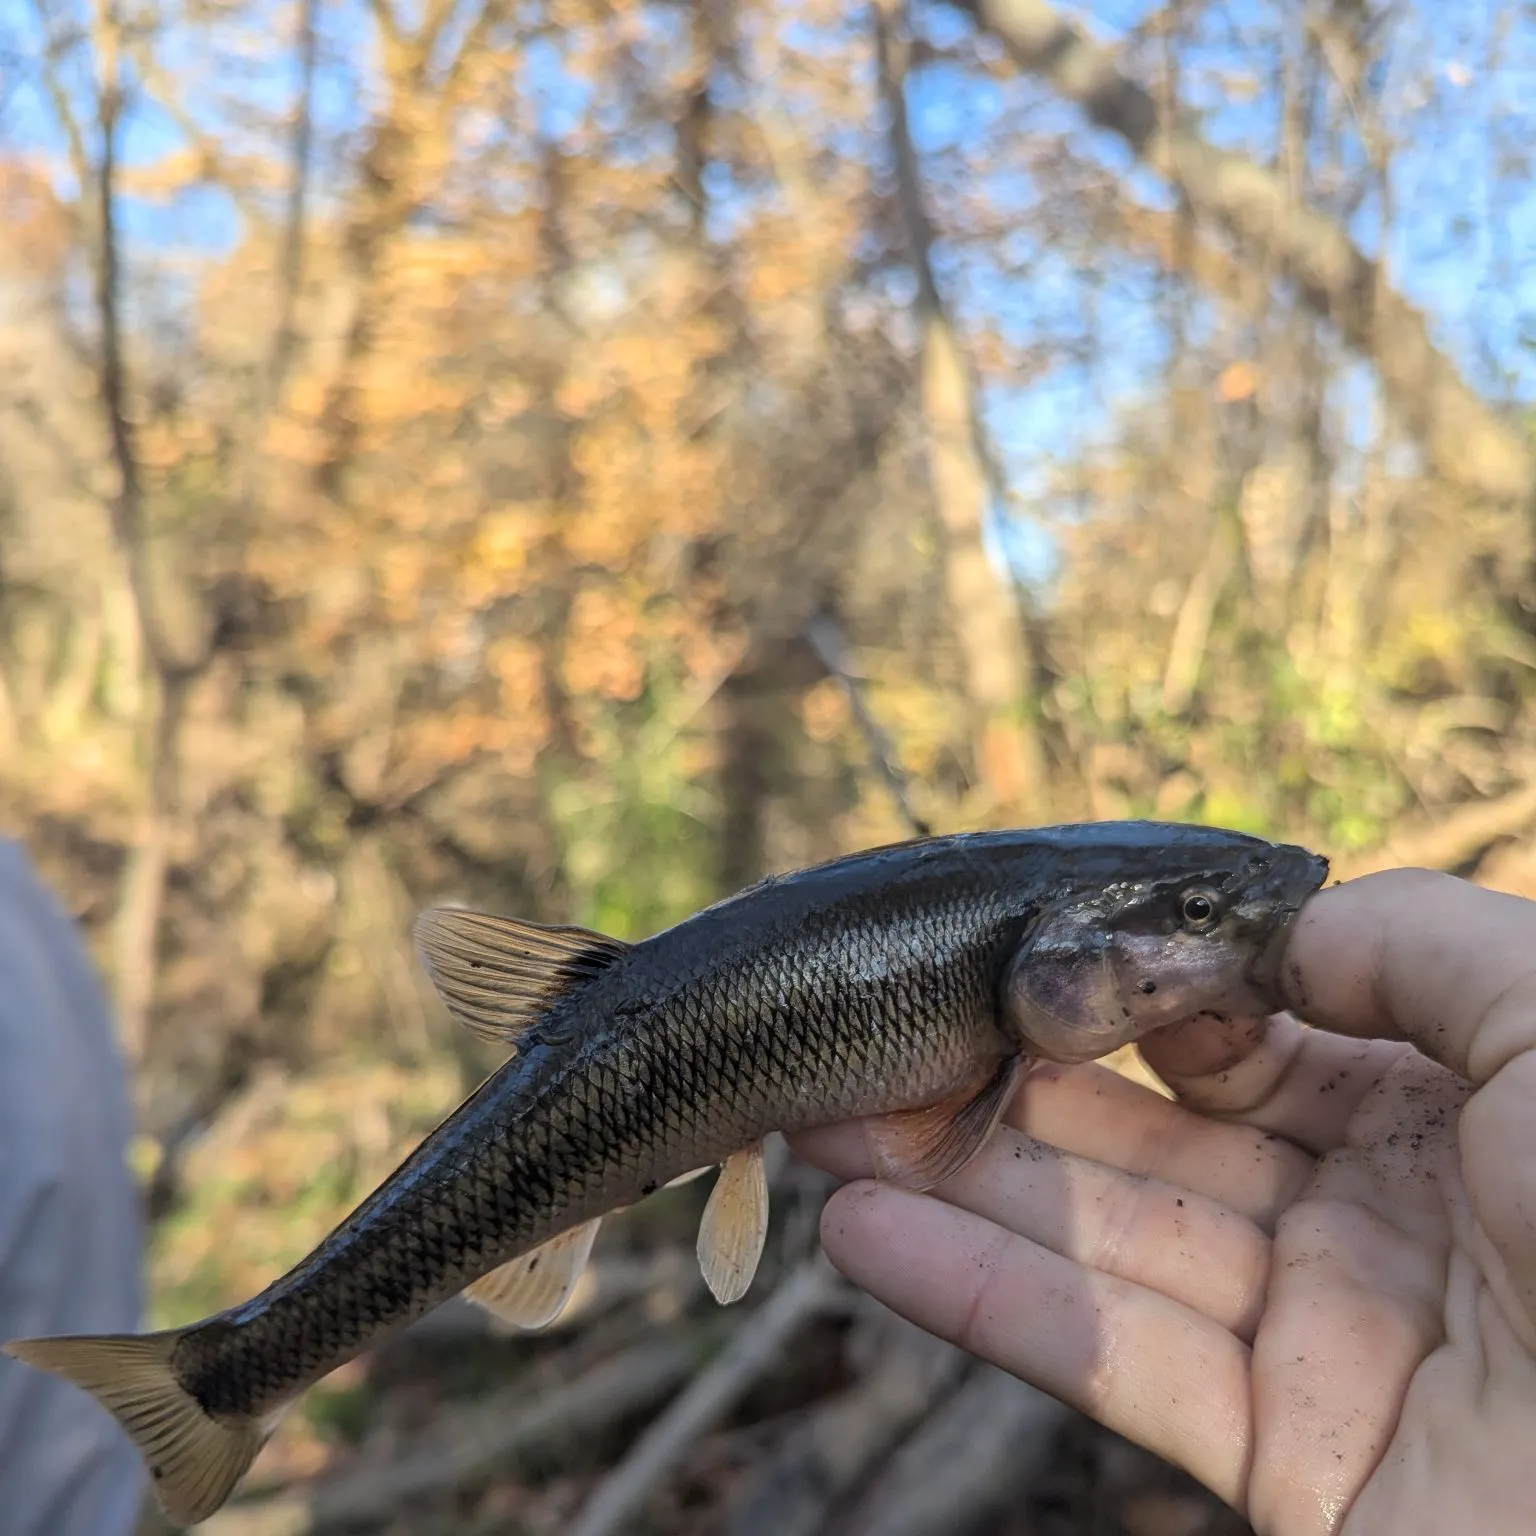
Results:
<point x="735" y="1225"/>
<point x="918" y="1148"/>
<point x="532" y="1291"/>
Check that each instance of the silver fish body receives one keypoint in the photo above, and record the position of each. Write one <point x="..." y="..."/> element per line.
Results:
<point x="906" y="983"/>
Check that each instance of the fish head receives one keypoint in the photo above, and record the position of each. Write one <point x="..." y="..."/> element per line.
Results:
<point x="1198" y="927"/>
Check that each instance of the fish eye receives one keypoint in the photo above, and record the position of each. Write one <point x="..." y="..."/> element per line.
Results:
<point x="1199" y="908"/>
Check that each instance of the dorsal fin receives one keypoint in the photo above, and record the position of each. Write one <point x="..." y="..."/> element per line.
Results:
<point x="498" y="974"/>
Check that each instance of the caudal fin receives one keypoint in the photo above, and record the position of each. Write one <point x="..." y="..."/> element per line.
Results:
<point x="195" y="1459"/>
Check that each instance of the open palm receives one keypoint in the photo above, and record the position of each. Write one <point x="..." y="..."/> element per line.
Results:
<point x="1312" y="1281"/>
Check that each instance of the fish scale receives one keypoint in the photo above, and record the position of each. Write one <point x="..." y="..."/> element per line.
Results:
<point x="880" y="985"/>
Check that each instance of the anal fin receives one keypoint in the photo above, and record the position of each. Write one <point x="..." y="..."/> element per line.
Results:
<point x="735" y="1225"/>
<point x="532" y="1290"/>
<point x="919" y="1148"/>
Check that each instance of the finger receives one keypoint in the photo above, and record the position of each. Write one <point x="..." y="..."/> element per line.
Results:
<point x="1412" y="955"/>
<point x="1303" y="1084"/>
<point x="1498" y="1153"/>
<point x="1188" y="1248"/>
<point x="1453" y="967"/>
<point x="841" y="1150"/>
<point x="1097" y="1113"/>
<point x="1147" y="1367"/>
<point x="1356" y="1307"/>
<point x="1181" y="1244"/>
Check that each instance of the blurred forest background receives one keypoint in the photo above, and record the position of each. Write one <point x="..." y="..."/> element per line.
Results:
<point x="571" y="457"/>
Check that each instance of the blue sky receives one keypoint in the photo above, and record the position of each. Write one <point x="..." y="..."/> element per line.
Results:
<point x="1462" y="244"/>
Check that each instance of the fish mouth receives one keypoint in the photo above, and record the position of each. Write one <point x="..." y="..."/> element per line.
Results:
<point x="1298" y="876"/>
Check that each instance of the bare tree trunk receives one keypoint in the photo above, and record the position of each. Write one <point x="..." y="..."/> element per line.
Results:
<point x="1192" y="627"/>
<point x="142" y="897"/>
<point x="289" y="276"/>
<point x="826" y="639"/>
<point x="987" y="620"/>
<point x="1466" y="440"/>
<point x="747" y="756"/>
<point x="382" y="213"/>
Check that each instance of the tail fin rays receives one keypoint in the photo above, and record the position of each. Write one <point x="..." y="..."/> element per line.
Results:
<point x="195" y="1459"/>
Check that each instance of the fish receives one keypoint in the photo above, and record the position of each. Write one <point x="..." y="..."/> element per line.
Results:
<point x="907" y="986"/>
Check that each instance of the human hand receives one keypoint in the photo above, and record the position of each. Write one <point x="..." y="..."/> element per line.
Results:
<point x="1312" y="1281"/>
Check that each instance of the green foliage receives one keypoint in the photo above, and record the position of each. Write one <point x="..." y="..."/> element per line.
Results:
<point x="635" y="820"/>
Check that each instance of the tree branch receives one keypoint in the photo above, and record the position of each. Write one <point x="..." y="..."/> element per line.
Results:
<point x="127" y="506"/>
<point x="58" y="98"/>
<point x="800" y="1296"/>
<point x="798" y="1490"/>
<point x="826" y="640"/>
<point x="1461" y="837"/>
<point x="295" y="221"/>
<point x="973" y="1460"/>
<point x="470" y="1446"/>
<point x="137" y="927"/>
<point x="988" y="624"/>
<point x="1467" y="441"/>
<point x="168" y="96"/>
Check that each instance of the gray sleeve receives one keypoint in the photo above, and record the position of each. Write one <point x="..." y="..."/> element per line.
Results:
<point x="70" y="1231"/>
